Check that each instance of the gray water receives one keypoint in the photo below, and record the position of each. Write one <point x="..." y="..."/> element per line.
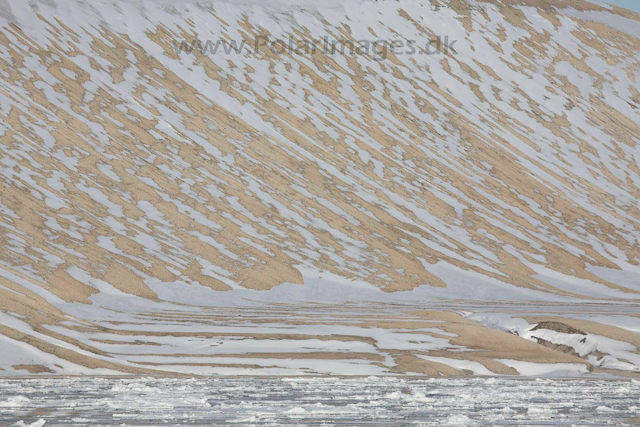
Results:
<point x="317" y="401"/>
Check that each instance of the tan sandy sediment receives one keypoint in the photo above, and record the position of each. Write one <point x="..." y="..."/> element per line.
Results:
<point x="374" y="172"/>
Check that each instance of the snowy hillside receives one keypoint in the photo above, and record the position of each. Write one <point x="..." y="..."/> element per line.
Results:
<point x="205" y="188"/>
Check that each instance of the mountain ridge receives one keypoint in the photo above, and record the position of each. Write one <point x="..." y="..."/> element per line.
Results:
<point x="138" y="180"/>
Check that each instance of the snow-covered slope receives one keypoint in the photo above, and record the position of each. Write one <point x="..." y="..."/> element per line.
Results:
<point x="150" y="195"/>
